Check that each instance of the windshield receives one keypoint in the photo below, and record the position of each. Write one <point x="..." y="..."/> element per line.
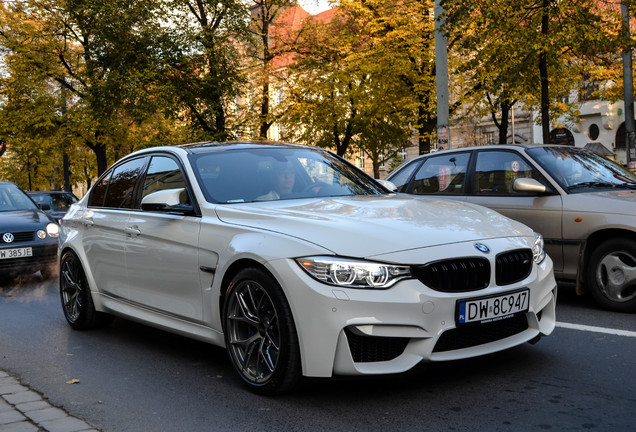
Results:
<point x="13" y="199"/>
<point x="267" y="174"/>
<point x="580" y="170"/>
<point x="57" y="201"/>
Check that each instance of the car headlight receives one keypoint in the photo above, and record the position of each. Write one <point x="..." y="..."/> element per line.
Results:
<point x="538" y="253"/>
<point x="53" y="230"/>
<point x="353" y="273"/>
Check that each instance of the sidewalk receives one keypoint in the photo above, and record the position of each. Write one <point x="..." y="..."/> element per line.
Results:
<point x="23" y="410"/>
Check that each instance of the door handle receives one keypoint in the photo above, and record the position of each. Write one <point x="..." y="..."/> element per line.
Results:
<point x="132" y="231"/>
<point x="88" y="222"/>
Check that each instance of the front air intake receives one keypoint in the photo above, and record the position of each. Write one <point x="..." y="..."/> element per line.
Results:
<point x="368" y="349"/>
<point x="471" y="335"/>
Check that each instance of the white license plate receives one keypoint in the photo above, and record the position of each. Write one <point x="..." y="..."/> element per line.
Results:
<point x="16" y="253"/>
<point x="493" y="308"/>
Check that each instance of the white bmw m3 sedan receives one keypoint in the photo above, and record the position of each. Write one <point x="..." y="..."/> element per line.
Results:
<point x="299" y="263"/>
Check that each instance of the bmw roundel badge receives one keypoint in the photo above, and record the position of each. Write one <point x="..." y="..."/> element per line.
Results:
<point x="482" y="247"/>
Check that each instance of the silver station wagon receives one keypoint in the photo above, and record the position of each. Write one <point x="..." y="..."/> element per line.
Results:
<point x="583" y="204"/>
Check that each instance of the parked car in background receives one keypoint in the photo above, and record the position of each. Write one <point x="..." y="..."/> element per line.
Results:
<point x="28" y="236"/>
<point x="299" y="263"/>
<point x="58" y="202"/>
<point x="583" y="204"/>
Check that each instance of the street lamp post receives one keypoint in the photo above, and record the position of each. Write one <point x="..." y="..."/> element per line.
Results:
<point x="628" y="87"/>
<point x="441" y="78"/>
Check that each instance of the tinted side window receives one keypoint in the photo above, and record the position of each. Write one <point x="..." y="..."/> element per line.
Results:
<point x="164" y="173"/>
<point x="443" y="174"/>
<point x="496" y="171"/>
<point x="122" y="184"/>
<point x="99" y="192"/>
<point x="401" y="179"/>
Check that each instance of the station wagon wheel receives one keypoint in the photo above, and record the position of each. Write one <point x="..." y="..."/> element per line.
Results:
<point x="260" y="334"/>
<point x="612" y="275"/>
<point x="77" y="303"/>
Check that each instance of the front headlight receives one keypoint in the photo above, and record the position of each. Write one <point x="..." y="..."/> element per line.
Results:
<point x="353" y="273"/>
<point x="53" y="230"/>
<point x="538" y="253"/>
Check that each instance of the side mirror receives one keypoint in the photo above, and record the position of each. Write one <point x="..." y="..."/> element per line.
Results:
<point x="44" y="206"/>
<point x="387" y="184"/>
<point x="167" y="201"/>
<point x="528" y="185"/>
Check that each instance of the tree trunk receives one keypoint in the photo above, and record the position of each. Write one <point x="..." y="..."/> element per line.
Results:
<point x="376" y="169"/>
<point x="423" y="139"/>
<point x="219" y="115"/>
<point x="503" y="126"/>
<point x="66" y="172"/>
<point x="265" y="107"/>
<point x="29" y="173"/>
<point x="265" y="124"/>
<point x="425" y="130"/>
<point x="100" y="156"/>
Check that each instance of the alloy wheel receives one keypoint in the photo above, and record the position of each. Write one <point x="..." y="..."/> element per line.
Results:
<point x="615" y="276"/>
<point x="253" y="330"/>
<point x="71" y="287"/>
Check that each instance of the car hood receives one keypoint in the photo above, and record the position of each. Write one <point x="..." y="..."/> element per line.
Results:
<point x="27" y="220"/>
<point x="608" y="202"/>
<point x="374" y="224"/>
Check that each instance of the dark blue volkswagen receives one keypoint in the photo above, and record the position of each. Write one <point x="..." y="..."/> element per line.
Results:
<point x="28" y="236"/>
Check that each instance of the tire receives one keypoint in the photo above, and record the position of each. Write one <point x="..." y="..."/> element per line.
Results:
<point x="611" y="275"/>
<point x="260" y="334"/>
<point x="75" y="296"/>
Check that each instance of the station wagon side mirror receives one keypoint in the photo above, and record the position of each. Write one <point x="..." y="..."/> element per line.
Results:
<point x="167" y="201"/>
<point x="528" y="185"/>
<point x="44" y="206"/>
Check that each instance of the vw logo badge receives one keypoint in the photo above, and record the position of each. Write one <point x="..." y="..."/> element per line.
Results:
<point x="482" y="247"/>
<point x="8" y="238"/>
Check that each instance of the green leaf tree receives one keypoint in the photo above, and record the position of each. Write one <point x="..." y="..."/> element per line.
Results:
<point x="535" y="52"/>
<point x="271" y="20"/>
<point x="342" y="98"/>
<point x="100" y="52"/>
<point x="200" y="71"/>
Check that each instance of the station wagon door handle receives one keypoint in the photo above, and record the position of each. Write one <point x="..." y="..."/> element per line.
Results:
<point x="88" y="222"/>
<point x="132" y="231"/>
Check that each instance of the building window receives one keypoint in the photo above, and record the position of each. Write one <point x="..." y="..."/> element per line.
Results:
<point x="593" y="131"/>
<point x="489" y="137"/>
<point x="361" y="159"/>
<point x="280" y="96"/>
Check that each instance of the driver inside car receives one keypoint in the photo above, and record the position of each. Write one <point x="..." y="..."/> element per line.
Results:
<point x="282" y="179"/>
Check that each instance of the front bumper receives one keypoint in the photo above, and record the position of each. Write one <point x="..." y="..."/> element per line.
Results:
<point x="360" y="331"/>
<point x="44" y="257"/>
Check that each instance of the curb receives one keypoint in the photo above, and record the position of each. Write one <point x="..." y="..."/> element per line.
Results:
<point x="24" y="410"/>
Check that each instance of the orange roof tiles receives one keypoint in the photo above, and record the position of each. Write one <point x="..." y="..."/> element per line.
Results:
<point x="288" y="26"/>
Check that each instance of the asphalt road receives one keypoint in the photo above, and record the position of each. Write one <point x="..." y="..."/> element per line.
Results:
<point x="134" y="378"/>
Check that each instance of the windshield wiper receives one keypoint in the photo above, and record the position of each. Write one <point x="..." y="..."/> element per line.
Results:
<point x="597" y="184"/>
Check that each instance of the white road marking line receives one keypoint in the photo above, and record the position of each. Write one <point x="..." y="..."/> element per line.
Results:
<point x="594" y="329"/>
